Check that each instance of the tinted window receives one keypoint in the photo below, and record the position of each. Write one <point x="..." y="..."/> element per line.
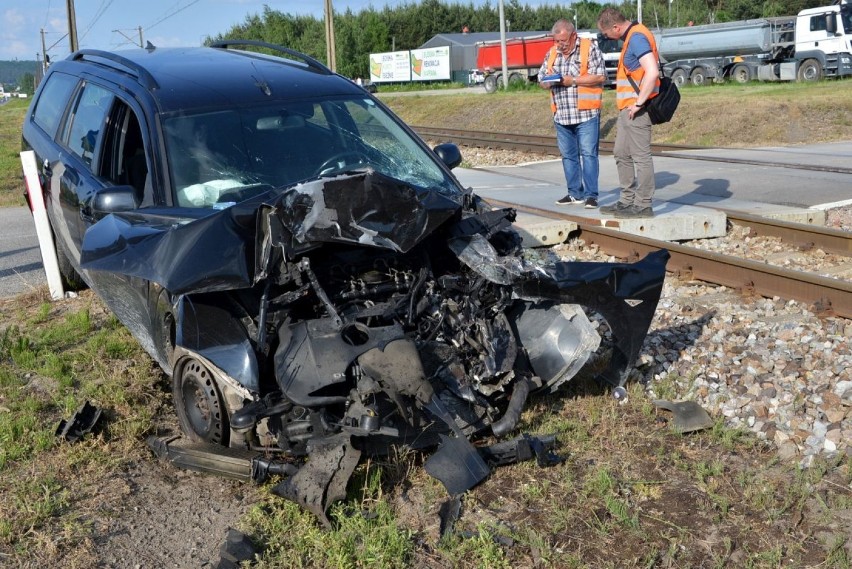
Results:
<point x="88" y="121"/>
<point x="52" y="101"/>
<point x="818" y="23"/>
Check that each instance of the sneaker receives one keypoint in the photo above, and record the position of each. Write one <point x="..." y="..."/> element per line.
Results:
<point x="568" y="200"/>
<point x="591" y="203"/>
<point x="634" y="212"/>
<point x="617" y="206"/>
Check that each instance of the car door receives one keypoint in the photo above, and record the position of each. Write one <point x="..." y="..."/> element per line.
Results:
<point x="78" y="181"/>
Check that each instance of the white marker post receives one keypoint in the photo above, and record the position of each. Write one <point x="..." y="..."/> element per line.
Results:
<point x="45" y="239"/>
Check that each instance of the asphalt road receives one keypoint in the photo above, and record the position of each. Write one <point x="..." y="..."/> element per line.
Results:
<point x="21" y="268"/>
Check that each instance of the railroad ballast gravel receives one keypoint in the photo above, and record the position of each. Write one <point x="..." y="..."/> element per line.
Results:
<point x="767" y="365"/>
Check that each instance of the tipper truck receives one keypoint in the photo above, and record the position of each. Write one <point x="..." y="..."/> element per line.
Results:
<point x="524" y="56"/>
<point x="808" y="47"/>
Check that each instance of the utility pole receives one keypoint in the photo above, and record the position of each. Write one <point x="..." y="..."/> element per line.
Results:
<point x="72" y="25"/>
<point x="329" y="36"/>
<point x="503" y="46"/>
<point x="128" y="38"/>
<point x="44" y="53"/>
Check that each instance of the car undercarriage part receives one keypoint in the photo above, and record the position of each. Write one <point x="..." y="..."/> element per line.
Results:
<point x="232" y="463"/>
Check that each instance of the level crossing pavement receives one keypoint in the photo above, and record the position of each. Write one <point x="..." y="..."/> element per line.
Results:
<point x="690" y="193"/>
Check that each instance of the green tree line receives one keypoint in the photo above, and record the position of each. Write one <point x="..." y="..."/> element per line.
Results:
<point x="410" y="25"/>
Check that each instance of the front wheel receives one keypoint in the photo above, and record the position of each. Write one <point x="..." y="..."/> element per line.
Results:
<point x="71" y="279"/>
<point x="810" y="70"/>
<point x="199" y="404"/>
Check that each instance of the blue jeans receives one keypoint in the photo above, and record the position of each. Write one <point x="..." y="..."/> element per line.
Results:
<point x="578" y="144"/>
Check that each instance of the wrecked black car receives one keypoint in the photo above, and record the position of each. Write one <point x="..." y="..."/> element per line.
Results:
<point x="309" y="274"/>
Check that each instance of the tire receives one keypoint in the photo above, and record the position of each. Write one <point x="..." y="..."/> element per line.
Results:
<point x="698" y="76"/>
<point x="200" y="407"/>
<point x="490" y="83"/>
<point x="71" y="279"/>
<point x="678" y="77"/>
<point x="517" y="79"/>
<point x="810" y="70"/>
<point x="741" y="73"/>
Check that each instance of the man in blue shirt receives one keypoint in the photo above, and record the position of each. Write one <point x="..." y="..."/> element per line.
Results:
<point x="637" y="81"/>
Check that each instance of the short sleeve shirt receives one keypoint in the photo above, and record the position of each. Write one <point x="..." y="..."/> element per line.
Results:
<point x="636" y="48"/>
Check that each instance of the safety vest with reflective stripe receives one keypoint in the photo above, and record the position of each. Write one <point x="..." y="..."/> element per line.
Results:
<point x="588" y="98"/>
<point x="625" y="93"/>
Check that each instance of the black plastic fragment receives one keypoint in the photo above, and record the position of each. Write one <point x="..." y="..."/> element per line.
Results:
<point x="82" y="422"/>
<point x="457" y="465"/>
<point x="449" y="513"/>
<point x="236" y="549"/>
<point x="521" y="449"/>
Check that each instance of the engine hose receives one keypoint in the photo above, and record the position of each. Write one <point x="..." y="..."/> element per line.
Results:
<point x="513" y="412"/>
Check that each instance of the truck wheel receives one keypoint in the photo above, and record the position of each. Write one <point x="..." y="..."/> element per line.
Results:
<point x="679" y="77"/>
<point x="810" y="70"/>
<point x="517" y="79"/>
<point x="698" y="76"/>
<point x="741" y="73"/>
<point x="490" y="83"/>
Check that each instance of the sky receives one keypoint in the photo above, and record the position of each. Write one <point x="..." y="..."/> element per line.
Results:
<point x="114" y="24"/>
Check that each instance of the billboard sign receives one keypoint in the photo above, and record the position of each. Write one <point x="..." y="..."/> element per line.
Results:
<point x="390" y="66"/>
<point x="430" y="64"/>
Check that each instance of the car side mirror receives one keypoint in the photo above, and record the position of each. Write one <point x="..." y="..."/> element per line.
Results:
<point x="449" y="154"/>
<point x="114" y="199"/>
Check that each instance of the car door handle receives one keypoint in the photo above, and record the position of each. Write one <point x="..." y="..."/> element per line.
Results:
<point x="46" y="170"/>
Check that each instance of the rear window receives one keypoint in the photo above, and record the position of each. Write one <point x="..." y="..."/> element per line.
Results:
<point x="52" y="101"/>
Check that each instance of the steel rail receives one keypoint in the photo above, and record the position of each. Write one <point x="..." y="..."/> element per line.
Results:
<point x="547" y="145"/>
<point x="825" y="295"/>
<point x="799" y="234"/>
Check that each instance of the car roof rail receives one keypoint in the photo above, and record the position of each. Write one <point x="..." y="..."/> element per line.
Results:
<point x="141" y="73"/>
<point x="313" y="63"/>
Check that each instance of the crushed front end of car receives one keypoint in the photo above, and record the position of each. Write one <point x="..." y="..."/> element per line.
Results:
<point x="311" y="326"/>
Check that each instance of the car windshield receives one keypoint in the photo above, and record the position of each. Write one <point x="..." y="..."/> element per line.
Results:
<point x="218" y="158"/>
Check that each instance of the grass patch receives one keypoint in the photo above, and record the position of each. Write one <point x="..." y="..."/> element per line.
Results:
<point x="12" y="186"/>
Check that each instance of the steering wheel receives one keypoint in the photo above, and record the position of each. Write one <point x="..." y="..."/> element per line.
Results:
<point x="341" y="162"/>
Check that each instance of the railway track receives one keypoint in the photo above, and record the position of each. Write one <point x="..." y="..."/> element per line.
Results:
<point x="825" y="295"/>
<point x="547" y="145"/>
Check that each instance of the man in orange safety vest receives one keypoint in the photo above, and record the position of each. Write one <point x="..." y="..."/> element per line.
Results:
<point x="576" y="71"/>
<point x="637" y="81"/>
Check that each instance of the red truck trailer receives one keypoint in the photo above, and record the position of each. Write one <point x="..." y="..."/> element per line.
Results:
<point x="524" y="56"/>
<point x="523" y="59"/>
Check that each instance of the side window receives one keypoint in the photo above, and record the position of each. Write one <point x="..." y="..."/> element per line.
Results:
<point x="818" y="23"/>
<point x="124" y="159"/>
<point x="88" y="121"/>
<point x="53" y="101"/>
